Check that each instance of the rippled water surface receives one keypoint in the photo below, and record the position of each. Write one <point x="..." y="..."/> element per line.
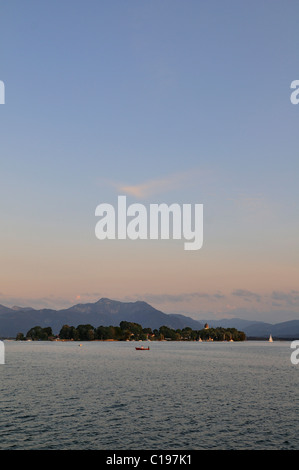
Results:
<point x="107" y="395"/>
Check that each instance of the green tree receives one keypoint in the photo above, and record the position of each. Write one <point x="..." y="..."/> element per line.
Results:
<point x="186" y="333"/>
<point x="134" y="329"/>
<point x="86" y="332"/>
<point x="20" y="337"/>
<point x="69" y="333"/>
<point x="109" y="332"/>
<point x="147" y="332"/>
<point x="37" y="333"/>
<point x="167" y="333"/>
<point x="48" y="331"/>
<point x="101" y="333"/>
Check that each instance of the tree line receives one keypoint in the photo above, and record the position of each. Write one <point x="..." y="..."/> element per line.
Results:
<point x="130" y="331"/>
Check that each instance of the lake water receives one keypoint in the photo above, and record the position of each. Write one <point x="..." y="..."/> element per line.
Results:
<point x="178" y="395"/>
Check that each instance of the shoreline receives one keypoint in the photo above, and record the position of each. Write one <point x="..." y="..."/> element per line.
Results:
<point x="58" y="340"/>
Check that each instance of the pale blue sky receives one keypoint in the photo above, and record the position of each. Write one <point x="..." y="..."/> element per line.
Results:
<point x="104" y="93"/>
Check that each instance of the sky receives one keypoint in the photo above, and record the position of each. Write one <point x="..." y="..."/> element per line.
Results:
<point x="168" y="101"/>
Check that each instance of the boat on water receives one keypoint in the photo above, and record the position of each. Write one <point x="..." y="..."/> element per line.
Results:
<point x="270" y="339"/>
<point x="142" y="348"/>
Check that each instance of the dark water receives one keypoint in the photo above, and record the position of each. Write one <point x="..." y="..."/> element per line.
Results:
<point x="108" y="396"/>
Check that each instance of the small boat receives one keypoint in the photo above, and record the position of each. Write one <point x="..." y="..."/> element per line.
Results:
<point x="270" y="339"/>
<point x="142" y="348"/>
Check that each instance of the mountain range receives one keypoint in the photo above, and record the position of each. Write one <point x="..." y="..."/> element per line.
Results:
<point x="107" y="312"/>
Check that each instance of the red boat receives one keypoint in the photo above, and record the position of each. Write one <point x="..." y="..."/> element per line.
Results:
<point x="142" y="349"/>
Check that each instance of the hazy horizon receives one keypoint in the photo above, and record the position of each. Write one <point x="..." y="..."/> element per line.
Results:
<point x="241" y="313"/>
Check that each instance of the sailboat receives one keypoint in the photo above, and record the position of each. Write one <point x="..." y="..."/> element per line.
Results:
<point x="270" y="339"/>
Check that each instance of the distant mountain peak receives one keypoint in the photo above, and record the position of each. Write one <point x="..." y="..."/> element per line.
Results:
<point x="15" y="307"/>
<point x="107" y="312"/>
<point x="106" y="301"/>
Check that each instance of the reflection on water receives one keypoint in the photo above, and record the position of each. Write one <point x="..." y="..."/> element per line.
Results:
<point x="107" y="395"/>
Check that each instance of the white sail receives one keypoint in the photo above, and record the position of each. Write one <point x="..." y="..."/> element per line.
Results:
<point x="270" y="339"/>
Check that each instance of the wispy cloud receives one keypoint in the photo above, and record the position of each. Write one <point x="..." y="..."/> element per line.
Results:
<point x="247" y="295"/>
<point x="177" y="298"/>
<point x="288" y="298"/>
<point x="50" y="302"/>
<point x="159" y="185"/>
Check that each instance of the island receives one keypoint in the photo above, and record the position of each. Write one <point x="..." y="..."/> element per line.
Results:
<point x="130" y="331"/>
